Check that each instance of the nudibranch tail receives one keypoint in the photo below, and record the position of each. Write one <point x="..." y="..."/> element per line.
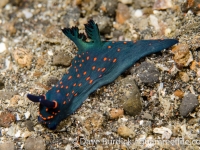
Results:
<point x="92" y="31"/>
<point x="42" y="100"/>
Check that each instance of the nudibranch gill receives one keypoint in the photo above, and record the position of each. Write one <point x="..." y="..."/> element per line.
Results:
<point x="97" y="63"/>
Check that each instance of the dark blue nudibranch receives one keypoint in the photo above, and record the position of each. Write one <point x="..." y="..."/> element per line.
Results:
<point x="97" y="63"/>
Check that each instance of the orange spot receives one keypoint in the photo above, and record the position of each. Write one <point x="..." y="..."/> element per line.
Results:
<point x="78" y="75"/>
<point x="64" y="102"/>
<point x="93" y="67"/>
<point x="66" y="87"/>
<point x="46" y="109"/>
<point x="82" y="60"/>
<point x="79" y="84"/>
<point x="88" y="78"/>
<point x="91" y="81"/>
<point x="84" y="73"/>
<point x="87" y="57"/>
<point x="104" y="59"/>
<point x="109" y="46"/>
<point x="67" y="94"/>
<point x="44" y="118"/>
<point x="60" y="82"/>
<point x="103" y="69"/>
<point x="51" y="117"/>
<point x="69" y="77"/>
<point x="76" y="70"/>
<point x="62" y="86"/>
<point x="99" y="69"/>
<point x="74" y="84"/>
<point x="56" y="105"/>
<point x="95" y="59"/>
<point x="80" y="65"/>
<point x="118" y="49"/>
<point x="58" y="91"/>
<point x="75" y="94"/>
<point x="125" y="42"/>
<point x="114" y="60"/>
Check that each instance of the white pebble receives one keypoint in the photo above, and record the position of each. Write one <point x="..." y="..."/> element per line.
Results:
<point x="2" y="47"/>
<point x="18" y="134"/>
<point x="50" y="53"/>
<point x="27" y="114"/>
<point x="166" y="132"/>
<point x="27" y="14"/>
<point x="17" y="117"/>
<point x="138" y="13"/>
<point x="154" y="22"/>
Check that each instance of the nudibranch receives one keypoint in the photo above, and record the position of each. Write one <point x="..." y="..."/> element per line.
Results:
<point x="97" y="63"/>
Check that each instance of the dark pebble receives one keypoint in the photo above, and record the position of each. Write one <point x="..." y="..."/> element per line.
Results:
<point x="188" y="104"/>
<point x="131" y="100"/>
<point x="29" y="125"/>
<point x="148" y="73"/>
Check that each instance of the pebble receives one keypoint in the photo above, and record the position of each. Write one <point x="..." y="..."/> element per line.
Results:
<point x="126" y="1"/>
<point x="23" y="57"/>
<point x="154" y="22"/>
<point x="41" y="62"/>
<point x="166" y="132"/>
<point x="10" y="27"/>
<point x="27" y="114"/>
<point x="192" y="5"/>
<point x="3" y="3"/>
<point x="138" y="13"/>
<point x="53" y="32"/>
<point x="131" y="99"/>
<point x="179" y="93"/>
<point x="162" y="4"/>
<point x="1" y="85"/>
<point x="93" y="122"/>
<point x="147" y="116"/>
<point x="29" y="125"/>
<point x="122" y="13"/>
<point x="14" y="100"/>
<point x="148" y="73"/>
<point x="184" y="76"/>
<point x="124" y="131"/>
<point x="27" y="13"/>
<point x="182" y="55"/>
<point x="109" y="7"/>
<point x="2" y="47"/>
<point x="62" y="59"/>
<point x="7" y="146"/>
<point x="34" y="143"/>
<point x="188" y="104"/>
<point x="6" y="119"/>
<point x="116" y="113"/>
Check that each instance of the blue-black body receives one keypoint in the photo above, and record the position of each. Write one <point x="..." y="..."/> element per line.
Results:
<point x="97" y="63"/>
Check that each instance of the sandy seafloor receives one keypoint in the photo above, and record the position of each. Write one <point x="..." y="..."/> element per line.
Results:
<point x="34" y="54"/>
